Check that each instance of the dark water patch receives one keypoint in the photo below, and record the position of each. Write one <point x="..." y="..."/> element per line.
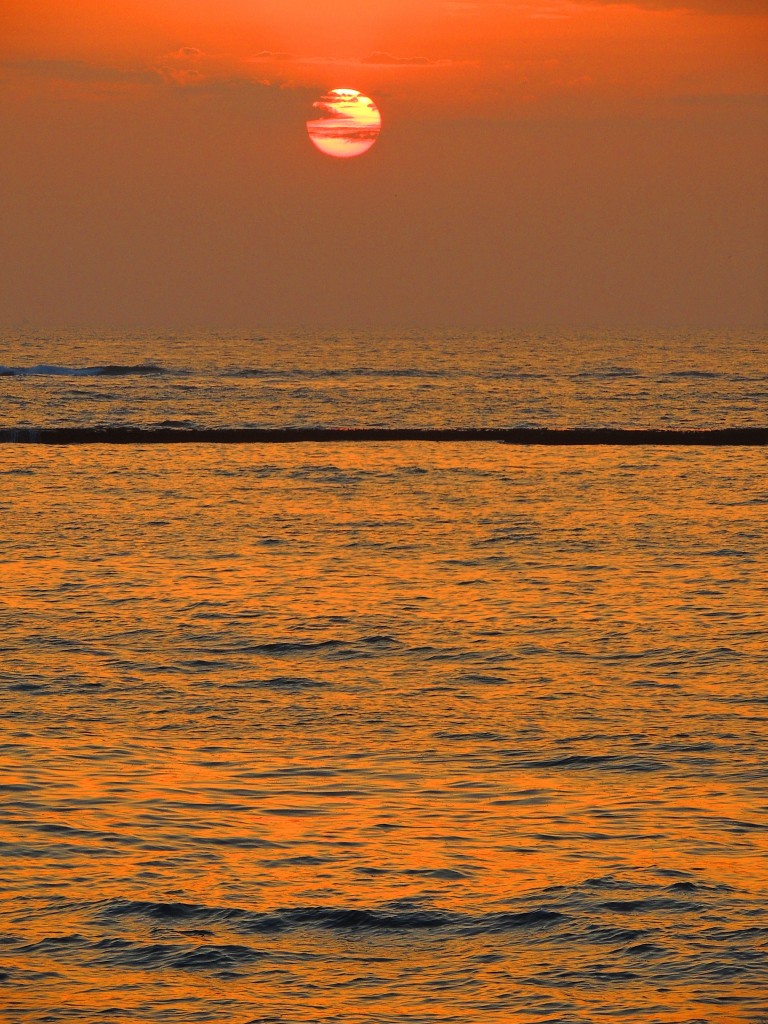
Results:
<point x="450" y="654"/>
<point x="294" y="812"/>
<point x="202" y="664"/>
<point x="502" y="922"/>
<point x="19" y="975"/>
<point x="755" y="937"/>
<point x="287" y="435"/>
<point x="654" y="684"/>
<point x="236" y="842"/>
<point x="288" y="375"/>
<point x="50" y="851"/>
<point x="606" y="373"/>
<point x="649" y="905"/>
<point x="490" y="737"/>
<point x="308" y="860"/>
<point x="605" y="934"/>
<point x="598" y="976"/>
<point x="688" y="748"/>
<point x="609" y="762"/>
<point x="387" y="918"/>
<point x="515" y="375"/>
<point x="479" y="679"/>
<point x="693" y="375"/>
<point x="286" y="684"/>
<point x="171" y="911"/>
<point x="644" y="949"/>
<point x="740" y="827"/>
<point x="363" y="647"/>
<point x="217" y="959"/>
<point x="298" y="647"/>
<point x="70" y="831"/>
<point x="54" y="944"/>
<point x="510" y="535"/>
<point x="732" y="554"/>
<point x="284" y="772"/>
<point x="441" y="874"/>
<point x="354" y="919"/>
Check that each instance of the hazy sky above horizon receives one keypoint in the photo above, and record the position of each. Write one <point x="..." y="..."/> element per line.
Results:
<point x="541" y="162"/>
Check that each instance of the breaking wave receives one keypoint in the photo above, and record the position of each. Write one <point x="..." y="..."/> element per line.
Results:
<point x="110" y="370"/>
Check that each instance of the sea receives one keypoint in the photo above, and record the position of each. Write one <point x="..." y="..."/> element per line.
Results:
<point x="386" y="732"/>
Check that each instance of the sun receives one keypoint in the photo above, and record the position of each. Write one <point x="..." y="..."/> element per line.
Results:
<point x="348" y="123"/>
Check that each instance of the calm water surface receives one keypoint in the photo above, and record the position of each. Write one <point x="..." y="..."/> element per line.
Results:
<point x="382" y="733"/>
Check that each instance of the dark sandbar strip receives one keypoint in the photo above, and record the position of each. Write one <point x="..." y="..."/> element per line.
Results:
<point x="283" y="435"/>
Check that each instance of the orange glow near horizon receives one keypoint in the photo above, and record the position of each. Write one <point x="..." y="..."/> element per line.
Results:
<point x="443" y="56"/>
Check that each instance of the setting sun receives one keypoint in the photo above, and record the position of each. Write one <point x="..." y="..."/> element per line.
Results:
<point x="348" y="125"/>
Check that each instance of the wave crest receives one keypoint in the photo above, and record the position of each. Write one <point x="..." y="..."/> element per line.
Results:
<point x="108" y="370"/>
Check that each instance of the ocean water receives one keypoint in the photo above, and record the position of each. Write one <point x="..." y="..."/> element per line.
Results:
<point x="684" y="380"/>
<point x="377" y="733"/>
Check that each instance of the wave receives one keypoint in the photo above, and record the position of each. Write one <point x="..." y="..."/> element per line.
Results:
<point x="283" y="435"/>
<point x="610" y="762"/>
<point x="110" y="370"/>
<point x="661" y="927"/>
<point x="606" y="373"/>
<point x="336" y="373"/>
<point x="386" y="918"/>
<point x="695" y="374"/>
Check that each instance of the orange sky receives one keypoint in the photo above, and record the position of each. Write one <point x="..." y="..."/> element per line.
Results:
<point x="648" y="82"/>
<point x="519" y="51"/>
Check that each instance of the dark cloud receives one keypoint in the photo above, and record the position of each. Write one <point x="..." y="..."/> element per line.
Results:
<point x="267" y="55"/>
<point x="187" y="51"/>
<point x="265" y="94"/>
<point x="732" y="7"/>
<point x="79" y="71"/>
<point x="378" y="57"/>
<point x="181" y="76"/>
<point x="219" y="81"/>
<point x="702" y="6"/>
<point x="328" y="110"/>
<point x="726" y="102"/>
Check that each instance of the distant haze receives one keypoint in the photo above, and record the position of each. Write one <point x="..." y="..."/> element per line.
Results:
<point x="540" y="163"/>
